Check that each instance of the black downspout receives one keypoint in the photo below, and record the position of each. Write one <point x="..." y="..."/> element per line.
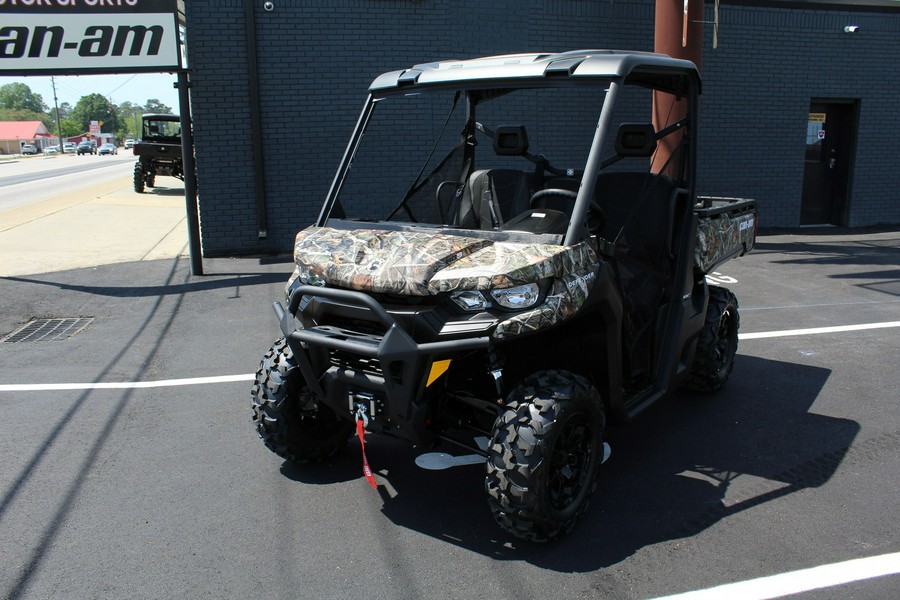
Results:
<point x="255" y="122"/>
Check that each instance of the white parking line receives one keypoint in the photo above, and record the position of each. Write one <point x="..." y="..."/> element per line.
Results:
<point x="816" y="330"/>
<point x="795" y="582"/>
<point x="121" y="385"/>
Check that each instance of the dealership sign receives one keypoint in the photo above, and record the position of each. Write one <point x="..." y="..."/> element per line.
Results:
<point x="96" y="36"/>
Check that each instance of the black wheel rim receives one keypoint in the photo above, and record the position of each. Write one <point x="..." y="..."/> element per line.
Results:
<point x="570" y="462"/>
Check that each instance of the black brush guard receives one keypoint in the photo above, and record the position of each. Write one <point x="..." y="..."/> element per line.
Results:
<point x="385" y="374"/>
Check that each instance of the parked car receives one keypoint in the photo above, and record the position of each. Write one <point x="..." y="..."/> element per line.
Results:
<point x="69" y="147"/>
<point x="29" y="149"/>
<point x="108" y="149"/>
<point x="129" y="143"/>
<point x="51" y="150"/>
<point x="87" y="148"/>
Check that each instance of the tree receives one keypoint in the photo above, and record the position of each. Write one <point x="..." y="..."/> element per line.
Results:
<point x="130" y="119"/>
<point x="95" y="107"/>
<point x="19" y="96"/>
<point x="70" y="127"/>
<point x="21" y="114"/>
<point x="155" y="106"/>
<point x="65" y="110"/>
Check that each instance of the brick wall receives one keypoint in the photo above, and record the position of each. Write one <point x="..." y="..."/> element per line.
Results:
<point x="757" y="88"/>
<point x="316" y="60"/>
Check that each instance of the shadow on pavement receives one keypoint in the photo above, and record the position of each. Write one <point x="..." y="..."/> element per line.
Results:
<point x="207" y="282"/>
<point x="829" y="251"/>
<point x="18" y="583"/>
<point x="689" y="463"/>
<point x="164" y="191"/>
<point x="864" y="259"/>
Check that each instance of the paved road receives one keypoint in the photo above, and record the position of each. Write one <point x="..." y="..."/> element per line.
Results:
<point x="102" y="162"/>
<point x="36" y="179"/>
<point x="166" y="492"/>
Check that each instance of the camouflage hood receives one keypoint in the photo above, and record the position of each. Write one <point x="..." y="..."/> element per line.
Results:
<point x="423" y="263"/>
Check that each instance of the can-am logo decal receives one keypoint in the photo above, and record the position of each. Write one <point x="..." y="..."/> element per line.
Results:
<point x="55" y="40"/>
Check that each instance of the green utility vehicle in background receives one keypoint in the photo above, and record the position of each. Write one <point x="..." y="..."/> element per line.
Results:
<point x="512" y="254"/>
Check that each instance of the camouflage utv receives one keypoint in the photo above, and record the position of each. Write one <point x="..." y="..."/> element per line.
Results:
<point x="512" y="254"/>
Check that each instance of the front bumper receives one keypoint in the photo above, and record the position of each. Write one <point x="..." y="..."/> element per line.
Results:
<point x="384" y="368"/>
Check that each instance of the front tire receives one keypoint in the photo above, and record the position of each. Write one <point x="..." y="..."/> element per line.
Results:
<point x="288" y="419"/>
<point x="714" y="357"/>
<point x="545" y="455"/>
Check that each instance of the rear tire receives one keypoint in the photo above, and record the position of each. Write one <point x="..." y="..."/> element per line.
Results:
<point x="545" y="455"/>
<point x="714" y="357"/>
<point x="138" y="179"/>
<point x="288" y="419"/>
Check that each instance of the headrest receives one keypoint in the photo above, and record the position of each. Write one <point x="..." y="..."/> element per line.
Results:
<point x="511" y="140"/>
<point x="636" y="139"/>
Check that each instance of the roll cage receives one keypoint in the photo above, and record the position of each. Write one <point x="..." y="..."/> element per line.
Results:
<point x="483" y="80"/>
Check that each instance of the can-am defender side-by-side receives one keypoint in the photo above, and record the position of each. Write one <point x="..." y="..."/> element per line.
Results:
<point x="512" y="253"/>
<point x="158" y="151"/>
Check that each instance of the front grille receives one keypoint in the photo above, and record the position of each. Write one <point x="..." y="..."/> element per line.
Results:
<point x="355" y="362"/>
<point x="404" y="300"/>
<point x="376" y="328"/>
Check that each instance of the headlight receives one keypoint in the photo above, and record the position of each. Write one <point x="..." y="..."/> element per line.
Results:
<point x="520" y="297"/>
<point x="307" y="277"/>
<point x="312" y="279"/>
<point x="471" y="300"/>
<point x="301" y="277"/>
<point x="517" y="298"/>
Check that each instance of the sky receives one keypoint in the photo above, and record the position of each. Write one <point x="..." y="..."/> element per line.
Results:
<point x="136" y="88"/>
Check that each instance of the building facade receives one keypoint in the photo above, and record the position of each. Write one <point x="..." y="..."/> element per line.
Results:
<point x="797" y="108"/>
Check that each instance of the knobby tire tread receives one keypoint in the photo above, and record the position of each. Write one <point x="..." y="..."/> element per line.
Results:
<point x="521" y="447"/>
<point x="276" y="398"/>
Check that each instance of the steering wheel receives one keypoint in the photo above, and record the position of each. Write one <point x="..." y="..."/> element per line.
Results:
<point x="541" y="196"/>
<point x="595" y="218"/>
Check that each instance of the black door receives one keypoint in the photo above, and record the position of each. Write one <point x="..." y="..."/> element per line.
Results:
<point x="830" y="141"/>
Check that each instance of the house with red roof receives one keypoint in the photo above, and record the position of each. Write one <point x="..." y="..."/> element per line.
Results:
<point x="15" y="134"/>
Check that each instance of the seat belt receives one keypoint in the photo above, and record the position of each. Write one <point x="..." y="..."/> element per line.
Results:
<point x="488" y="195"/>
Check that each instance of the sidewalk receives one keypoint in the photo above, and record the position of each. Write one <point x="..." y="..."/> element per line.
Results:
<point x="104" y="224"/>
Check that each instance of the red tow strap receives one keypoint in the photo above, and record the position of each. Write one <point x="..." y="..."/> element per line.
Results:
<point x="367" y="471"/>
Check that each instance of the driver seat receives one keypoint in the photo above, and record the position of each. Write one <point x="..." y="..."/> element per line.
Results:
<point x="492" y="196"/>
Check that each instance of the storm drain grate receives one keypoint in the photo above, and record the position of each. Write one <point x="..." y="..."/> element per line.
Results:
<point x="38" y="330"/>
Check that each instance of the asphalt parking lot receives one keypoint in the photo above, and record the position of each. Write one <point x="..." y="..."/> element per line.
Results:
<point x="131" y="469"/>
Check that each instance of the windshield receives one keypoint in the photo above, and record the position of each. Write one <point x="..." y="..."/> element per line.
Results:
<point x="419" y="152"/>
<point x="161" y="127"/>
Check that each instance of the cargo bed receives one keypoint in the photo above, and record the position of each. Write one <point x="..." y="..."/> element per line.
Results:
<point x="726" y="229"/>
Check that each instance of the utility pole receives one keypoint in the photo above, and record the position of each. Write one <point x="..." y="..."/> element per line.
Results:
<point x="678" y="33"/>
<point x="56" y="107"/>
